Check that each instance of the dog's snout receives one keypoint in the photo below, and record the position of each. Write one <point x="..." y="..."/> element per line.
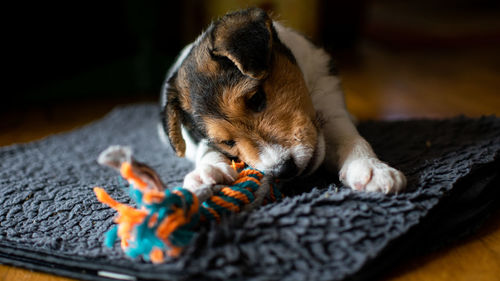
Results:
<point x="286" y="170"/>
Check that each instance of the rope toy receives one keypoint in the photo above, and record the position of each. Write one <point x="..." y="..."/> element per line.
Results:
<point x="164" y="220"/>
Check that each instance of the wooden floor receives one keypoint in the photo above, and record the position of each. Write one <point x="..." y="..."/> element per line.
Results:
<point x="380" y="84"/>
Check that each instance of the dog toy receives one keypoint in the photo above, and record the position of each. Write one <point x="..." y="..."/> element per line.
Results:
<point x="164" y="219"/>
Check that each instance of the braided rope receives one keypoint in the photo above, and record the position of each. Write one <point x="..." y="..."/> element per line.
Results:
<point x="164" y="222"/>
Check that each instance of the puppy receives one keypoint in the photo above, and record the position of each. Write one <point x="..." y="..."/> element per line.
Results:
<point x="250" y="88"/>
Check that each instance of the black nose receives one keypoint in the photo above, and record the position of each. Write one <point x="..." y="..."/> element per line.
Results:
<point x="286" y="170"/>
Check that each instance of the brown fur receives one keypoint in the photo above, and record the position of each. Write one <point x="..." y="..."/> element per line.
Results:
<point x="287" y="120"/>
<point x="174" y="131"/>
<point x="184" y="98"/>
<point x="203" y="61"/>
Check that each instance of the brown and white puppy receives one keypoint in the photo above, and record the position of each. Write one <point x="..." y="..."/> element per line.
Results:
<point x="252" y="89"/>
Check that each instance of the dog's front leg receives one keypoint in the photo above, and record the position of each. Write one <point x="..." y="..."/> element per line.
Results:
<point x="211" y="168"/>
<point x="359" y="167"/>
<point x="346" y="150"/>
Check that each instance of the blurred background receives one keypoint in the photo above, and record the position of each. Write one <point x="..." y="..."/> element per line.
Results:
<point x="390" y="53"/>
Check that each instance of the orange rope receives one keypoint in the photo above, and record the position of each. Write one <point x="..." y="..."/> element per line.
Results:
<point x="104" y="197"/>
<point x="170" y="224"/>
<point x="156" y="255"/>
<point x="237" y="166"/>
<point x="250" y="172"/>
<point x="244" y="179"/>
<point x="174" y="251"/>
<point x="236" y="194"/>
<point x="228" y="205"/>
<point x="153" y="196"/>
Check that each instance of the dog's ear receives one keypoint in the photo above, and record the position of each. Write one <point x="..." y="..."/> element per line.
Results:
<point x="246" y="38"/>
<point x="171" y="116"/>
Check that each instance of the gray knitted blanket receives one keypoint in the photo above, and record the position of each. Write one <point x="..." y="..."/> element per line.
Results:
<point x="51" y="221"/>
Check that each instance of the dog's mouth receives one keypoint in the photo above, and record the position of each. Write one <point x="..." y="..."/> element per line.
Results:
<point x="298" y="161"/>
<point x="317" y="157"/>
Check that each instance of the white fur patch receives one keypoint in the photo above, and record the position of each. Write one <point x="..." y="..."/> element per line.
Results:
<point x="370" y="174"/>
<point x="301" y="155"/>
<point x="271" y="156"/>
<point x="209" y="174"/>
<point x="212" y="167"/>
<point x="203" y="180"/>
<point x="191" y="145"/>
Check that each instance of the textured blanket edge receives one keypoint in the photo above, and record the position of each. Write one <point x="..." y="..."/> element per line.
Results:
<point x="462" y="212"/>
<point x="394" y="253"/>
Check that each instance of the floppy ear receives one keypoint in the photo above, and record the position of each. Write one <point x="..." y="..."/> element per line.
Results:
<point x="245" y="37"/>
<point x="171" y="116"/>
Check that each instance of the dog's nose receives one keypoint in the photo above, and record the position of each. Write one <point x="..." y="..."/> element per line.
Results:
<point x="286" y="170"/>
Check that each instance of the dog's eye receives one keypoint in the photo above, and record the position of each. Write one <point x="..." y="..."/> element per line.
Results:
<point x="257" y="102"/>
<point x="229" y="143"/>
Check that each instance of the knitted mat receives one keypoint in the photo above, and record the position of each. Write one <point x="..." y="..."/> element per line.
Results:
<point x="51" y="221"/>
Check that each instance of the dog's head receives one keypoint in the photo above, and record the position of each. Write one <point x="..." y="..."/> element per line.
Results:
<point x="241" y="88"/>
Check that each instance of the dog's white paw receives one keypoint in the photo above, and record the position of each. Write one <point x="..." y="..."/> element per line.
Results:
<point x="208" y="175"/>
<point x="370" y="174"/>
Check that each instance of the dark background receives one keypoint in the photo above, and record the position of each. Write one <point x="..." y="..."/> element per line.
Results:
<point x="76" y="50"/>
